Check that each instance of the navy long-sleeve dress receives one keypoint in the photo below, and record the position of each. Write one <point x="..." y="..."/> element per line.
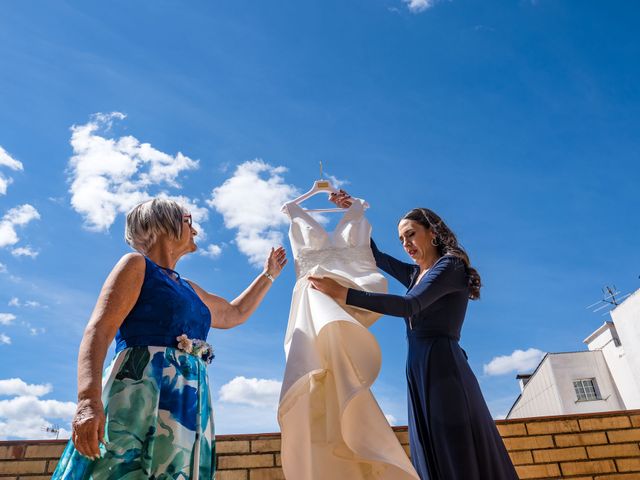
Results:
<point x="451" y="433"/>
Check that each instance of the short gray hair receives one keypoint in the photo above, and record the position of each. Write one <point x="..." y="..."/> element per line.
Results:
<point x="151" y="219"/>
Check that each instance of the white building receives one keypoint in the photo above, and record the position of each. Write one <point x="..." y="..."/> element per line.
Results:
<point x="605" y="377"/>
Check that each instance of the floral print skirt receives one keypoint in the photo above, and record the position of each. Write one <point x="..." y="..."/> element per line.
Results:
<point x="159" y="422"/>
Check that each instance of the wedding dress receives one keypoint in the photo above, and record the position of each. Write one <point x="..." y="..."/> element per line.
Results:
<point x="332" y="427"/>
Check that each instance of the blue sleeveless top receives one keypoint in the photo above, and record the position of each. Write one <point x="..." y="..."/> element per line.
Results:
<point x="166" y="308"/>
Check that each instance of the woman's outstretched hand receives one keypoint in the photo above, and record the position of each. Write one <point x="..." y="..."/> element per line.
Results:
<point x="342" y="199"/>
<point x="329" y="287"/>
<point x="275" y="262"/>
<point x="88" y="427"/>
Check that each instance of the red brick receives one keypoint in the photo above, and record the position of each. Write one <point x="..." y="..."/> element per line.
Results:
<point x="604" y="423"/>
<point x="578" y="439"/>
<point x="260" y="446"/>
<point x="232" y="446"/>
<point x="12" y="452"/>
<point x="511" y="429"/>
<point x="34" y="477"/>
<point x="528" y="443"/>
<point x="581" y="468"/>
<point x="231" y="475"/>
<point x="558" y="426"/>
<point x="559" y="454"/>
<point x="266" y="474"/>
<point x="610" y="451"/>
<point x="628" y="464"/>
<point x="521" y="457"/>
<point x="245" y="461"/>
<point x="51" y="466"/>
<point x="630" y="435"/>
<point x="24" y="466"/>
<point x="403" y="437"/>
<point x="537" y="471"/>
<point x="44" y="451"/>
<point x="618" y="476"/>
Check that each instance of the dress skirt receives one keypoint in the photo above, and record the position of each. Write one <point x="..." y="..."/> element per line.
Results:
<point x="452" y="435"/>
<point x="159" y="422"/>
<point x="332" y="427"/>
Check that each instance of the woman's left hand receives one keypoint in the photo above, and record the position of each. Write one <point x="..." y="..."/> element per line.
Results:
<point x="329" y="287"/>
<point x="275" y="262"/>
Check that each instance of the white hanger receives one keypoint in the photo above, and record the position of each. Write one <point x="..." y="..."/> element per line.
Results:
<point x="319" y="186"/>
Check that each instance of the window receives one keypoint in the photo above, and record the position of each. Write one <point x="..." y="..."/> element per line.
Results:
<point x="586" y="390"/>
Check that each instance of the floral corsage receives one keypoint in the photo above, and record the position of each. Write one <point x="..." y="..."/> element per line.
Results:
<point x="196" y="347"/>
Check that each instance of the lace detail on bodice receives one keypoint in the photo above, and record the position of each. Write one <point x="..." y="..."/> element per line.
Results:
<point x="308" y="259"/>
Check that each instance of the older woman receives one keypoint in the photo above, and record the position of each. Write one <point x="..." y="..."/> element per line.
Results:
<point x="150" y="416"/>
<point x="451" y="433"/>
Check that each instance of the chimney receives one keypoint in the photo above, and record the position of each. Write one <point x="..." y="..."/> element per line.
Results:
<point x="523" y="379"/>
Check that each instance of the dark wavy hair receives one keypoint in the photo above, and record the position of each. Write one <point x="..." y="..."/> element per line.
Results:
<point x="447" y="244"/>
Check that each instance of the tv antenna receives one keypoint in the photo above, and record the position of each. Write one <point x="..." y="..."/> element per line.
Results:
<point x="51" y="429"/>
<point x="611" y="298"/>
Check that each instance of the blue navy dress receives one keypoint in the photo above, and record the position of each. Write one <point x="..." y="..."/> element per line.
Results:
<point x="451" y="433"/>
<point x="159" y="423"/>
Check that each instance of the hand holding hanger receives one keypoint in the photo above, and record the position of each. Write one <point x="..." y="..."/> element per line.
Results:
<point x="322" y="186"/>
<point x="341" y="198"/>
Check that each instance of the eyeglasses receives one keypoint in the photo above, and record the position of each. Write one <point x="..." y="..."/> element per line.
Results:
<point x="187" y="219"/>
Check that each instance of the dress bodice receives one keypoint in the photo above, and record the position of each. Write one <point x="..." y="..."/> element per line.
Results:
<point x="166" y="308"/>
<point x="346" y="249"/>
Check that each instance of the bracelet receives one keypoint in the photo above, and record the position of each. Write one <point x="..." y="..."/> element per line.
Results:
<point x="269" y="276"/>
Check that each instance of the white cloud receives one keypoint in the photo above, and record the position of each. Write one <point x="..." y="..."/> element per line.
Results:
<point x="7" y="161"/>
<point x="250" y="202"/>
<point x="3" y="268"/>
<point x="17" y="386"/>
<point x="25" y="415"/>
<point x="25" y="252"/>
<point x="391" y="419"/>
<point x="33" y="405"/>
<point x="30" y="427"/>
<point x="5" y="339"/>
<point x="256" y="392"/>
<point x="211" y="251"/>
<point x="4" y="184"/>
<point x="15" y="302"/>
<point x="519" y="361"/>
<point x="18" y="216"/>
<point x="36" y="331"/>
<point x="109" y="176"/>
<point x="336" y="182"/>
<point x="21" y="215"/>
<point x="6" y="318"/>
<point x="417" y="6"/>
<point x="233" y="418"/>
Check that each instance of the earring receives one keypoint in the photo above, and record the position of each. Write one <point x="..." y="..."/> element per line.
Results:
<point x="434" y="242"/>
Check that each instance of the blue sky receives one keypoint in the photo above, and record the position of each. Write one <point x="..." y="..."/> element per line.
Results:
<point x="516" y="121"/>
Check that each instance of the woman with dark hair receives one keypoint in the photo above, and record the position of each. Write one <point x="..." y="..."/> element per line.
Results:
<point x="451" y="433"/>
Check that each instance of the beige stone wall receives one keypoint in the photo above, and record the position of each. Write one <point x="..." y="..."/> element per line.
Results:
<point x="602" y="446"/>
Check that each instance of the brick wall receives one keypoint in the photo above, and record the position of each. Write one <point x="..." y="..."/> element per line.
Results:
<point x="602" y="446"/>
